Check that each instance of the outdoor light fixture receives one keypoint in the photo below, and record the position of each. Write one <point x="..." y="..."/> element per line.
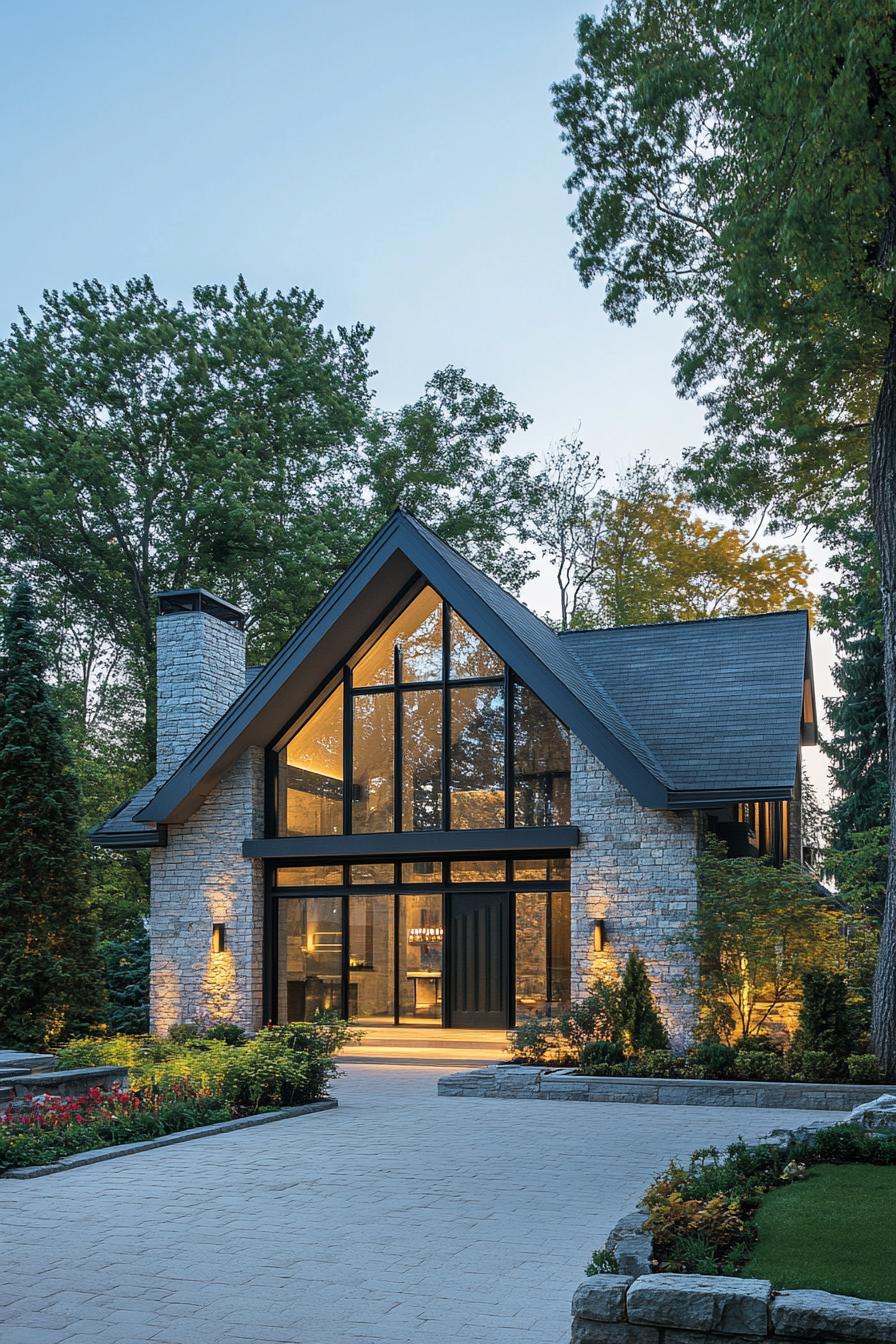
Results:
<point x="219" y="938"/>
<point x="599" y="935"/>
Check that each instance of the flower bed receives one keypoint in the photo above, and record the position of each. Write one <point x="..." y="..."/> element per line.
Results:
<point x="702" y="1217"/>
<point x="180" y="1084"/>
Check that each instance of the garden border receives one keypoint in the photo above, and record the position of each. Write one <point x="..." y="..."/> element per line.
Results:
<point x="92" y="1155"/>
<point x="546" y="1083"/>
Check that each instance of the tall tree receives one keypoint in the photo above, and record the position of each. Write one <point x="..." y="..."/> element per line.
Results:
<point x="857" y="743"/>
<point x="231" y="442"/>
<point x="50" y="977"/>
<point x="739" y="159"/>
<point x="640" y="552"/>
<point x="566" y="524"/>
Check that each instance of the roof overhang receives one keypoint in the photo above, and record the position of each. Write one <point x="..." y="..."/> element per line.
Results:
<point x="143" y="837"/>
<point x="388" y="845"/>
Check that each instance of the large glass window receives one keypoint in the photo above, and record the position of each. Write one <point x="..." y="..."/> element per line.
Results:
<point x="477" y="757"/>
<point x="389" y="968"/>
<point x="421" y="760"/>
<point x="371" y="941"/>
<point x="416" y="637"/>
<point x="470" y="656"/>
<point x="420" y="938"/>
<point x="540" y="763"/>
<point x="373" y="756"/>
<point x="310" y="978"/>
<point x="413" y="710"/>
<point x="310" y="774"/>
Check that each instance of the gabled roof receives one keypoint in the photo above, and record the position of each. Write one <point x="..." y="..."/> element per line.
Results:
<point x="400" y="551"/>
<point x="719" y="702"/>
<point x="683" y="715"/>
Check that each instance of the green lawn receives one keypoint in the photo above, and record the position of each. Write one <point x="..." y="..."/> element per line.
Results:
<point x="834" y="1230"/>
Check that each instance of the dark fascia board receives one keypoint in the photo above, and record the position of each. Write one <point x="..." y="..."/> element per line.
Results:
<point x="399" y="844"/>
<point x="381" y="572"/>
<point x="368" y="587"/>
<point x="809" y="731"/>
<point x="683" y="800"/>
<point x="143" y="838"/>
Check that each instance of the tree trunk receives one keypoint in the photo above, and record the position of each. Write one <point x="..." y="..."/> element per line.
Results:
<point x="883" y="503"/>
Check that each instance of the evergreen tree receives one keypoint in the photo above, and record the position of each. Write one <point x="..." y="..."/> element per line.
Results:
<point x="852" y="610"/>
<point x="50" y="978"/>
<point x="642" y="1027"/>
<point x="126" y="968"/>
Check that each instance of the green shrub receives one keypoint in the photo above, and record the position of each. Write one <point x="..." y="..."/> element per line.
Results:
<point x="267" y="1075"/>
<point x="826" y="1023"/>
<point x="761" y="1065"/>
<point x="863" y="1069"/>
<point x="599" y="1056"/>
<point x="602" y="1262"/>
<point x="228" y="1032"/>
<point x="817" y="1066"/>
<point x="652" y="1064"/>
<point x="711" y="1059"/>
<point x="533" y="1041"/>
<point x="182" y="1032"/>
<point x="760" y="1041"/>
<point x="639" y="1020"/>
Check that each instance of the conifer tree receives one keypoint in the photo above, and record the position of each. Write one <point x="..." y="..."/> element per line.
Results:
<point x="642" y="1027"/>
<point x="50" y="979"/>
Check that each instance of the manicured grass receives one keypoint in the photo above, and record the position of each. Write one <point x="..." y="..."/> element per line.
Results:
<point x="834" y="1230"/>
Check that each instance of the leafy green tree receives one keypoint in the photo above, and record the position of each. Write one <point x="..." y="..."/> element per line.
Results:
<point x="826" y="1021"/>
<point x="738" y="160"/>
<point x="50" y="979"/>
<point x="230" y="442"/>
<point x="640" y="552"/>
<point x="642" y="1027"/>
<point x="756" y="931"/>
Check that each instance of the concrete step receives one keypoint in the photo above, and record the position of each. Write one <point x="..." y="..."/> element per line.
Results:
<point x="427" y="1047"/>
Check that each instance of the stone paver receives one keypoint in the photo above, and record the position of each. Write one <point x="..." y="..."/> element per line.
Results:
<point x="399" y="1217"/>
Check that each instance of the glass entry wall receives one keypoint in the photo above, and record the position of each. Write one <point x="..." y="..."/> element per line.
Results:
<point x="372" y="941"/>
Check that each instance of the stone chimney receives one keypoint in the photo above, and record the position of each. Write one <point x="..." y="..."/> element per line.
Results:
<point x="200" y="667"/>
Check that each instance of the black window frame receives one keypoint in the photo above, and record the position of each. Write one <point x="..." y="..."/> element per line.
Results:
<point x="443" y="886"/>
<point x="397" y="689"/>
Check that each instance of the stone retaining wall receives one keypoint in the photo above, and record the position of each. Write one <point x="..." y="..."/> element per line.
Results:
<point x="514" y="1081"/>
<point x="698" y="1309"/>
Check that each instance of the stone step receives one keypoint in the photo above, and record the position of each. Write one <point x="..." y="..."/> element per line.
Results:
<point x="23" y="1061"/>
<point x="69" y="1082"/>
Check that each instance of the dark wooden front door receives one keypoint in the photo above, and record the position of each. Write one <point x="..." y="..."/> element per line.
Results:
<point x="479" y="959"/>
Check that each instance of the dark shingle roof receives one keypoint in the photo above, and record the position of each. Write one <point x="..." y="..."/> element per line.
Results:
<point x="120" y="826"/>
<point x="718" y="702"/>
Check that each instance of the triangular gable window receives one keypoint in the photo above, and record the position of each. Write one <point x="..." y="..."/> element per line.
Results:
<point x="436" y="734"/>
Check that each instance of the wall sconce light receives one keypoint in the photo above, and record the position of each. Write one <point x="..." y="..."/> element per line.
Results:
<point x="599" y="938"/>
<point x="219" y="937"/>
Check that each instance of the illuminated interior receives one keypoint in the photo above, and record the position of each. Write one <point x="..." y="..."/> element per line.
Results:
<point x="376" y="949"/>
<point x="425" y="705"/>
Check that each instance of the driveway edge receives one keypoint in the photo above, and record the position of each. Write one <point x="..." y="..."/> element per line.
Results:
<point x="93" y="1155"/>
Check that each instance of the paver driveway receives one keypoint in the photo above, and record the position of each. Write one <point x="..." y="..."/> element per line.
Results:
<point x="399" y="1217"/>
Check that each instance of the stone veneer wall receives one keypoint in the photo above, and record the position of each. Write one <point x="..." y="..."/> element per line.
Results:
<point x="634" y="869"/>
<point x="201" y="877"/>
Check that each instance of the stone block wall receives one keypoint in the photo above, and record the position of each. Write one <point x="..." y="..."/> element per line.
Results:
<point x="634" y="869"/>
<point x="200" y="670"/>
<point x="698" y="1309"/>
<point x="201" y="878"/>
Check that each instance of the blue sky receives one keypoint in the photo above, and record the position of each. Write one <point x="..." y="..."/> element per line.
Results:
<point x="397" y="156"/>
